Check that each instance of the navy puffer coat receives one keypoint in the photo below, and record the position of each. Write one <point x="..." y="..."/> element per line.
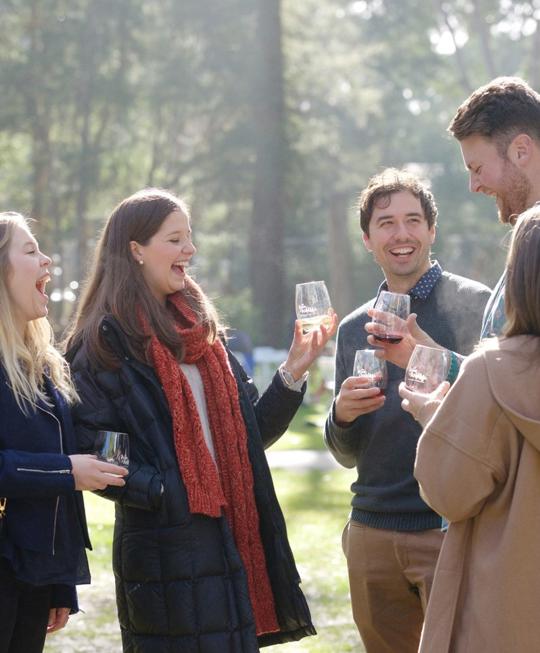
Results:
<point x="180" y="583"/>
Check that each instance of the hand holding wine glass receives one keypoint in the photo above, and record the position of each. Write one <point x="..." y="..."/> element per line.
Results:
<point x="307" y="345"/>
<point x="427" y="369"/>
<point x="391" y="312"/>
<point x="113" y="447"/>
<point x="422" y="406"/>
<point x="370" y="368"/>
<point x="313" y="306"/>
<point x="363" y="391"/>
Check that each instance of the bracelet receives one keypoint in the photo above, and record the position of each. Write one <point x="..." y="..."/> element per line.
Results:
<point x="453" y="370"/>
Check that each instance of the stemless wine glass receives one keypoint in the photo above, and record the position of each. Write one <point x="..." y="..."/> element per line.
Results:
<point x="113" y="447"/>
<point x="397" y="306"/>
<point x="313" y="305"/>
<point x="368" y="366"/>
<point x="427" y="369"/>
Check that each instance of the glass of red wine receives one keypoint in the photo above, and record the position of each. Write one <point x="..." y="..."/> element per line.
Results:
<point x="427" y="369"/>
<point x="397" y="307"/>
<point x="368" y="366"/>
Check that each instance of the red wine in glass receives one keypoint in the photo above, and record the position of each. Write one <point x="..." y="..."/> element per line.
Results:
<point x="397" y="306"/>
<point x="368" y="366"/>
<point x="388" y="338"/>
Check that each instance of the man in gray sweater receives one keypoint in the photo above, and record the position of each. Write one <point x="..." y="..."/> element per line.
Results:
<point x="392" y="539"/>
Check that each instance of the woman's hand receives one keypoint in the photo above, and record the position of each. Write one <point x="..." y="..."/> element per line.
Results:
<point x="93" y="474"/>
<point x="305" y="348"/>
<point x="58" y="618"/>
<point x="400" y="352"/>
<point x="422" y="407"/>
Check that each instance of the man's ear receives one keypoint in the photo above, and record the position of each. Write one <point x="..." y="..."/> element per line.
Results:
<point x="367" y="243"/>
<point x="520" y="150"/>
<point x="433" y="233"/>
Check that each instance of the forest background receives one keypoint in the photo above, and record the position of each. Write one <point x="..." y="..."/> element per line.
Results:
<point x="268" y="116"/>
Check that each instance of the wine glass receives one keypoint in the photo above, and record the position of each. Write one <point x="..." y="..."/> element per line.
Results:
<point x="368" y="366"/>
<point x="313" y="305"/>
<point x="427" y="369"/>
<point x="112" y="447"/>
<point x="397" y="306"/>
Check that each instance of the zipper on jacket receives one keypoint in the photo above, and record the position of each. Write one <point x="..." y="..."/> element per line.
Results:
<point x="48" y="412"/>
<point x="44" y="471"/>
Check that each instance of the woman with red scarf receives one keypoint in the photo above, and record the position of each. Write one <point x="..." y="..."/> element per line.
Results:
<point x="200" y="554"/>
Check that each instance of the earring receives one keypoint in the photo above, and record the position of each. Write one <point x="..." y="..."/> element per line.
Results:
<point x="141" y="262"/>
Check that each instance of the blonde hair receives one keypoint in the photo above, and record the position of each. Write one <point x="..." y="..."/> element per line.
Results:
<point x="27" y="357"/>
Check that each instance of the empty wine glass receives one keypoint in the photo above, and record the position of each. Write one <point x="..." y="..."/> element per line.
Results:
<point x="313" y="305"/>
<point x="427" y="369"/>
<point x="112" y="447"/>
<point x="397" y="306"/>
<point x="368" y="366"/>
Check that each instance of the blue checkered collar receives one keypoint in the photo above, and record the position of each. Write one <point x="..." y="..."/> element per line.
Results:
<point x="424" y="285"/>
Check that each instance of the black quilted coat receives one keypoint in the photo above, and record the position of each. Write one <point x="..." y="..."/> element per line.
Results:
<point x="180" y="583"/>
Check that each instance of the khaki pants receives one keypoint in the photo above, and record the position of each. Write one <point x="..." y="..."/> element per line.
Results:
<point x="390" y="577"/>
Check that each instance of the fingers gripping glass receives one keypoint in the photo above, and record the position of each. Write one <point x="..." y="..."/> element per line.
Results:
<point x="368" y="366"/>
<point x="427" y="369"/>
<point x="313" y="305"/>
<point x="112" y="447"/>
<point x="397" y="307"/>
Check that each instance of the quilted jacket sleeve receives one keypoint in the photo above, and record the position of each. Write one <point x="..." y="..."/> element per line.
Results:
<point x="96" y="411"/>
<point x="275" y="408"/>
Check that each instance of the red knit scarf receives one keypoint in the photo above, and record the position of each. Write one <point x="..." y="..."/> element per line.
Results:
<point x="229" y="486"/>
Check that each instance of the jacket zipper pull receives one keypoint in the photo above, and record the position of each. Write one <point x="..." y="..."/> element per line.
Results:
<point x="3" y="504"/>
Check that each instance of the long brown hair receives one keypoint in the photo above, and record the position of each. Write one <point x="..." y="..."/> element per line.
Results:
<point x="116" y="286"/>
<point x="522" y="292"/>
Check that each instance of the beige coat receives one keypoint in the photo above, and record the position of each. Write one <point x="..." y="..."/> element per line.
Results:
<point x="478" y="464"/>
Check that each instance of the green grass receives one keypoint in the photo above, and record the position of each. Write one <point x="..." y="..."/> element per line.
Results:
<point x="315" y="504"/>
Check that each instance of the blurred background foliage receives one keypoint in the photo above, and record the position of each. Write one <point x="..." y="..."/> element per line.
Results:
<point x="268" y="116"/>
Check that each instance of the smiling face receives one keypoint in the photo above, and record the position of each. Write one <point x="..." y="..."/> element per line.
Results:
<point x="497" y="176"/>
<point x="166" y="256"/>
<point x="400" y="239"/>
<point x="26" y="279"/>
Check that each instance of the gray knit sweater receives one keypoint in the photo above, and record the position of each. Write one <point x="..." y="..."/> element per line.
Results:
<point x="382" y="444"/>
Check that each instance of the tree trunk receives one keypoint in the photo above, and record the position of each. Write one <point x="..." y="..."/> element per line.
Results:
<point x="268" y="217"/>
<point x="340" y="256"/>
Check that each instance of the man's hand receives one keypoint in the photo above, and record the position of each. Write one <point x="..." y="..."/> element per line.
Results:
<point x="356" y="398"/>
<point x="421" y="406"/>
<point x="400" y="352"/>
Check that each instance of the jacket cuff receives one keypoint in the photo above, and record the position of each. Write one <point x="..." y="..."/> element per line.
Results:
<point x="65" y="596"/>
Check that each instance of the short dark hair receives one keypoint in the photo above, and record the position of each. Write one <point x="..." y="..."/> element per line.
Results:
<point x="522" y="290"/>
<point x="382" y="186"/>
<point x="499" y="110"/>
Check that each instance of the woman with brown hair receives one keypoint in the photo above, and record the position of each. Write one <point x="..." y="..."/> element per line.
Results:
<point x="42" y="524"/>
<point x="201" y="557"/>
<point x="478" y="465"/>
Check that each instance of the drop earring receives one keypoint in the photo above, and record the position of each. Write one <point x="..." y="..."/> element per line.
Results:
<point x="141" y="262"/>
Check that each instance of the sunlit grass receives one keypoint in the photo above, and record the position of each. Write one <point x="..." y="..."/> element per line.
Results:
<point x="306" y="429"/>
